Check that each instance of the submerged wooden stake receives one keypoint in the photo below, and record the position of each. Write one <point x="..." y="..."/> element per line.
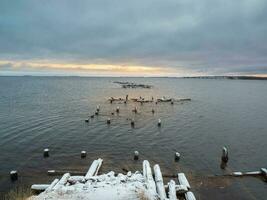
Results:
<point x="177" y="156"/>
<point x="159" y="122"/>
<point x="83" y="154"/>
<point x="136" y="155"/>
<point x="14" y="175"/>
<point x="225" y="154"/>
<point x="46" y="152"/>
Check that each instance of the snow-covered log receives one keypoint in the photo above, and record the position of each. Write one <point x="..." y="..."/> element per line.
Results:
<point x="172" y="190"/>
<point x="190" y="196"/>
<point x="39" y="187"/>
<point x="75" y="179"/>
<point x="52" y="185"/>
<point x="62" y="172"/>
<point x="264" y="172"/>
<point x="62" y="181"/>
<point x="252" y="173"/>
<point x="159" y="182"/>
<point x="181" y="189"/>
<point x="147" y="173"/>
<point x="183" y="180"/>
<point x="94" y="168"/>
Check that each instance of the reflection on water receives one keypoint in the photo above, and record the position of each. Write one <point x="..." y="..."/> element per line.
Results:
<point x="42" y="112"/>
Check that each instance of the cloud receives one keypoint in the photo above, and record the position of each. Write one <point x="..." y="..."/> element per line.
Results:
<point x="209" y="36"/>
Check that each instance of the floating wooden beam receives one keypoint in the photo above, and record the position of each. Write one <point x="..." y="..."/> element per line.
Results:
<point x="172" y="190"/>
<point x="159" y="182"/>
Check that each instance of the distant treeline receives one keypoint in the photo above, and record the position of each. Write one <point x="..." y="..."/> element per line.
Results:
<point x="230" y="77"/>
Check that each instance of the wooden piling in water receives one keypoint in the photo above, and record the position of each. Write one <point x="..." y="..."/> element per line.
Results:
<point x="46" y="152"/>
<point x="13" y="175"/>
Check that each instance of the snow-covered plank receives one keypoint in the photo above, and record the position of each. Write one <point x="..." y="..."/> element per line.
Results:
<point x="190" y="196"/>
<point x="94" y="168"/>
<point x="172" y="190"/>
<point x="52" y="185"/>
<point x="147" y="173"/>
<point x="62" y="181"/>
<point x="159" y="182"/>
<point x="183" y="180"/>
<point x="39" y="187"/>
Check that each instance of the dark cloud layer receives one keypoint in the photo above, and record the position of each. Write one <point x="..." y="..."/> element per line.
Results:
<point x="210" y="36"/>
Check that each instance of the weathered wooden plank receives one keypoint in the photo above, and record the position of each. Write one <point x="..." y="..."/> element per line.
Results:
<point x="172" y="190"/>
<point x="62" y="181"/>
<point x="147" y="173"/>
<point x="94" y="168"/>
<point x="52" y="185"/>
<point x="183" y="180"/>
<point x="159" y="182"/>
<point x="190" y="196"/>
<point x="39" y="187"/>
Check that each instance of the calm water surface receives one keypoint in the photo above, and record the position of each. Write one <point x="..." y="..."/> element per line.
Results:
<point x="40" y="112"/>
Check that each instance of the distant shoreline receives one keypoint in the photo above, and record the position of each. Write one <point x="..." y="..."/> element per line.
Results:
<point x="185" y="77"/>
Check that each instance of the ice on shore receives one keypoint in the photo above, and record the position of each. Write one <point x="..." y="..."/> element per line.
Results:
<point x="106" y="186"/>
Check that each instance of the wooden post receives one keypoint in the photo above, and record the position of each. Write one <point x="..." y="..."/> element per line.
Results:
<point x="118" y="109"/>
<point x="159" y="122"/>
<point x="136" y="155"/>
<point x="177" y="156"/>
<point x="46" y="152"/>
<point x="83" y="154"/>
<point x="225" y="154"/>
<point x="132" y="123"/>
<point x="159" y="182"/>
<point x="108" y="121"/>
<point x="14" y="175"/>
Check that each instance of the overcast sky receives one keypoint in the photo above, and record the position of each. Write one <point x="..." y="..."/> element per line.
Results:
<point x="160" y="37"/>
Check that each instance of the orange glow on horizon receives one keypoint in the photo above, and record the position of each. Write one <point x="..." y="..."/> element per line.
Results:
<point x="110" y="68"/>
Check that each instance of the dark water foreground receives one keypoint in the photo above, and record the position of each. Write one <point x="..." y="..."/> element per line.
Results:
<point x="41" y="112"/>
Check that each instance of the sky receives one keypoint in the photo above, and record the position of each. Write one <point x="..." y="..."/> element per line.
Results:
<point x="133" y="37"/>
